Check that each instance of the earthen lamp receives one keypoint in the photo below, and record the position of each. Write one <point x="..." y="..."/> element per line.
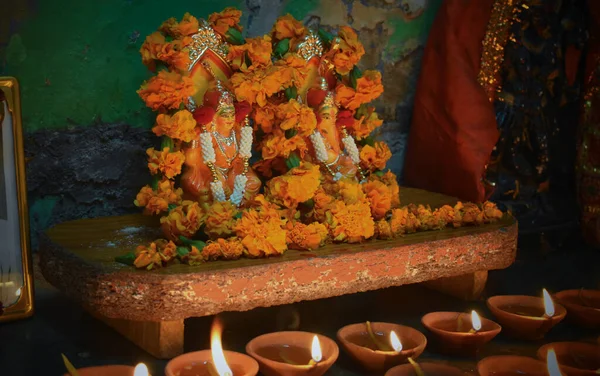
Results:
<point x="113" y="370"/>
<point x="293" y="353"/>
<point x="429" y="369"/>
<point x="583" y="306"/>
<point x="379" y="346"/>
<point x="509" y="365"/>
<point x="526" y="317"/>
<point x="460" y="333"/>
<point x="574" y="358"/>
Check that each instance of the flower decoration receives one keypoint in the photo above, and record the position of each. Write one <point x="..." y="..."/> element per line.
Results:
<point x="184" y="220"/>
<point x="164" y="162"/>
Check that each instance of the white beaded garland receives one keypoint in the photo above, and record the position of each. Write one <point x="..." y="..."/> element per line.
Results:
<point x="217" y="190"/>
<point x="246" y="142"/>
<point x="351" y="149"/>
<point x="319" y="145"/>
<point x="208" y="151"/>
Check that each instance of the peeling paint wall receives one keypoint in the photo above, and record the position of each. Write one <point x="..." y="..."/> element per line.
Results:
<point x="79" y="68"/>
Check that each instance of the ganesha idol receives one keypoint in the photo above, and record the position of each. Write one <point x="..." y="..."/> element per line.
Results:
<point x="217" y="162"/>
<point x="330" y="144"/>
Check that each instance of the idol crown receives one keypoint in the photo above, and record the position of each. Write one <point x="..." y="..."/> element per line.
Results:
<point x="206" y="39"/>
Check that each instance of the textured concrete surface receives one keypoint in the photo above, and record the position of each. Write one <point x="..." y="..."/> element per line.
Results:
<point x="130" y="294"/>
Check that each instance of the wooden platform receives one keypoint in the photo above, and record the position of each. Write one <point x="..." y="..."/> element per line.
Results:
<point x="149" y="307"/>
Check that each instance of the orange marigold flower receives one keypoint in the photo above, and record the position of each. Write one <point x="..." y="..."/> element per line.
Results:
<point x="297" y="186"/>
<point x="380" y="198"/>
<point x="375" y="158"/>
<point x="184" y="220"/>
<point x="180" y="126"/>
<point x="323" y="202"/>
<point x="226" y="19"/>
<point x="297" y="116"/>
<point x="167" y="90"/>
<point x="174" y="55"/>
<point x="157" y="254"/>
<point x="193" y="257"/>
<point x="470" y="213"/>
<point x="368" y="122"/>
<point x="188" y="26"/>
<point x="428" y="220"/>
<point x="258" y="50"/>
<point x="288" y="27"/>
<point x="277" y="145"/>
<point x="491" y="213"/>
<point x="265" y="117"/>
<point x="350" y="224"/>
<point x="164" y="162"/>
<point x="269" y="167"/>
<point x="296" y="68"/>
<point x="348" y="52"/>
<point x="307" y="237"/>
<point x="151" y="48"/>
<point x="256" y="86"/>
<point x="221" y="220"/>
<point x="262" y="232"/>
<point x="383" y="230"/>
<point x="155" y="202"/>
<point x="448" y="215"/>
<point x="222" y="249"/>
<point x="349" y="190"/>
<point x="368" y="88"/>
<point x="403" y="221"/>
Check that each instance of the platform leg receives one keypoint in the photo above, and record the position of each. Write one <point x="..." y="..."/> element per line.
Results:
<point x="162" y="339"/>
<point x="466" y="287"/>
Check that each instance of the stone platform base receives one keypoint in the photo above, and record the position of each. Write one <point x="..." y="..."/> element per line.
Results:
<point x="149" y="307"/>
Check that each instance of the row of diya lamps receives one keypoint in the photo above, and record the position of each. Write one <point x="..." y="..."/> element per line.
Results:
<point x="392" y="349"/>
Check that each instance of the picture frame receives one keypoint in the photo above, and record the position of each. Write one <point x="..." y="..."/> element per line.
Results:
<point x="16" y="273"/>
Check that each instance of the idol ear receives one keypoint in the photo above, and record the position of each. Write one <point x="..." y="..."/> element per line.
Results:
<point x="242" y="109"/>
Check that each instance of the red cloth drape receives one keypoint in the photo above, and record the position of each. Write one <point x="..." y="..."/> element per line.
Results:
<point x="453" y="128"/>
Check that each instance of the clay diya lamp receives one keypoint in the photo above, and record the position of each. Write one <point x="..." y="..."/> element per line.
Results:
<point x="526" y="317"/>
<point x="457" y="333"/>
<point x="574" y="358"/>
<point x="110" y="370"/>
<point x="379" y="346"/>
<point x="509" y="365"/>
<point x="213" y="362"/>
<point x="583" y="306"/>
<point x="425" y="369"/>
<point x="293" y="353"/>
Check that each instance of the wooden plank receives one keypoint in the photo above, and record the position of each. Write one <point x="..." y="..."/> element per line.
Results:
<point x="78" y="258"/>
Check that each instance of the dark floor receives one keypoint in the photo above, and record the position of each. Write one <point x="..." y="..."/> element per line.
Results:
<point x="33" y="346"/>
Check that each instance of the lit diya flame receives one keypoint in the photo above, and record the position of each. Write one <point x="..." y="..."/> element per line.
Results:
<point x="140" y="370"/>
<point x="548" y="304"/>
<point x="552" y="364"/>
<point x="395" y="341"/>
<point x="475" y="321"/>
<point x="216" y="349"/>
<point x="315" y="352"/>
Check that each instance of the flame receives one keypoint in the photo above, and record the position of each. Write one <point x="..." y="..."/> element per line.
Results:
<point x="548" y="304"/>
<point x="316" y="350"/>
<point x="140" y="370"/>
<point x="552" y="364"/>
<point x="395" y="341"/>
<point x="475" y="321"/>
<point x="18" y="292"/>
<point x="218" y="357"/>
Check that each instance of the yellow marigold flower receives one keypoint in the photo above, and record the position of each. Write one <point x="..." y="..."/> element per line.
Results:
<point x="491" y="213"/>
<point x="306" y="237"/>
<point x="184" y="220"/>
<point x="368" y="88"/>
<point x="155" y="202"/>
<point x="323" y="202"/>
<point x="262" y="233"/>
<point x="448" y="215"/>
<point x="470" y="213"/>
<point x="167" y="90"/>
<point x="350" y="224"/>
<point x="348" y="52"/>
<point x="180" y="126"/>
<point x="294" y="115"/>
<point x="157" y="254"/>
<point x="258" y="50"/>
<point x="380" y="198"/>
<point x="375" y="158"/>
<point x="403" y="222"/>
<point x="428" y="220"/>
<point x="296" y="186"/>
<point x="151" y="48"/>
<point x="222" y="249"/>
<point x="164" y="162"/>
<point x="288" y="27"/>
<point x="383" y="230"/>
<point x="349" y="190"/>
<point x="220" y="220"/>
<point x="226" y="19"/>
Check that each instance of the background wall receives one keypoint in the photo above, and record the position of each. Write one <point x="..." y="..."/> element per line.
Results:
<point x="79" y="67"/>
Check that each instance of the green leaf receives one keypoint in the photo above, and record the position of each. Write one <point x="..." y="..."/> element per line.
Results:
<point x="379" y="173"/>
<point x="195" y="243"/>
<point x="368" y="141"/>
<point x="234" y="36"/>
<point x="291" y="92"/>
<point x="325" y="36"/>
<point x="355" y="74"/>
<point x="171" y="207"/>
<point x="182" y="251"/>
<point x="154" y="183"/>
<point x="126" y="259"/>
<point x="290" y="133"/>
<point x="167" y="142"/>
<point x="238" y="215"/>
<point x="282" y="47"/>
<point x="292" y="161"/>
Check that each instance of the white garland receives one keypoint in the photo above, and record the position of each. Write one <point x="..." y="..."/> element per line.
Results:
<point x="217" y="190"/>
<point x="351" y="149"/>
<point x="208" y="151"/>
<point x="239" y="187"/>
<point x="246" y="142"/>
<point x="319" y="145"/>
